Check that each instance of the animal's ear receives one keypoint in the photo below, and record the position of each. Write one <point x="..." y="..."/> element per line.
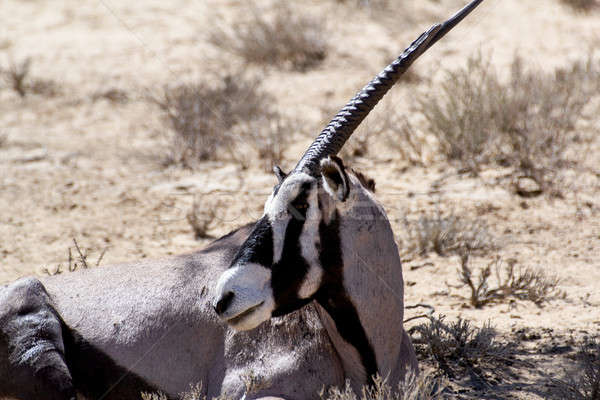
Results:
<point x="335" y="179"/>
<point x="279" y="173"/>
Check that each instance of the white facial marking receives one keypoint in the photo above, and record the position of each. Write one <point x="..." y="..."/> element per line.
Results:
<point x="309" y="242"/>
<point x="276" y="209"/>
<point x="252" y="301"/>
<point x="279" y="216"/>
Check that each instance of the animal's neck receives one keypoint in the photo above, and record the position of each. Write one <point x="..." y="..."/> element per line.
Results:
<point x="362" y="298"/>
<point x="338" y="313"/>
<point x="350" y="358"/>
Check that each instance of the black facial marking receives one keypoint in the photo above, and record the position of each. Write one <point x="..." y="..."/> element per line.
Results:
<point x="333" y="298"/>
<point x="289" y="273"/>
<point x="258" y="248"/>
<point x="299" y="206"/>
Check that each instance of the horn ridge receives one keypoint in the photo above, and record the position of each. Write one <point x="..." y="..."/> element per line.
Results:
<point x="338" y="130"/>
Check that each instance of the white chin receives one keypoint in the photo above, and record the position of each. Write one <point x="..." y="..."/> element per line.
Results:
<point x="245" y="325"/>
<point x="253" y="319"/>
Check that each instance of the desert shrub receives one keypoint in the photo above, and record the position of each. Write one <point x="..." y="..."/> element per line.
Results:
<point x="581" y="5"/>
<point x="280" y="36"/>
<point x="511" y="282"/>
<point x="210" y="122"/>
<point x="357" y="146"/>
<point x="17" y="77"/>
<point x="446" y="234"/>
<point x="458" y="347"/>
<point x="202" y="216"/>
<point x="521" y="123"/>
<point x="269" y="136"/>
<point x="385" y="12"/>
<point x="113" y="94"/>
<point x="201" y="115"/>
<point x="390" y="123"/>
<point x="426" y="386"/>
<point x="581" y="381"/>
<point x="378" y="4"/>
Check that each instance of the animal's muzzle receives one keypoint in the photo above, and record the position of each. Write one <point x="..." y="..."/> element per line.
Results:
<point x="222" y="303"/>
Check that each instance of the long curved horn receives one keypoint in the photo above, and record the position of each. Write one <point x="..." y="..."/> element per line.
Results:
<point x="332" y="138"/>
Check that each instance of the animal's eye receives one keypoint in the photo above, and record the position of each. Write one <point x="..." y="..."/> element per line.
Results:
<point x="300" y="205"/>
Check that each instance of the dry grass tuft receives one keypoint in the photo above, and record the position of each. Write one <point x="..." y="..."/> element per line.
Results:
<point x="582" y="382"/>
<point x="211" y="122"/>
<point x="385" y="12"/>
<point x="201" y="116"/>
<point x="18" y="78"/>
<point x="16" y="75"/>
<point x="194" y="393"/>
<point x="426" y="386"/>
<point x="114" y="95"/>
<point x="269" y="136"/>
<point x="511" y="282"/>
<point x="77" y="258"/>
<point x="388" y="122"/>
<point x="581" y="5"/>
<point x="523" y="123"/>
<point x="446" y="235"/>
<point x="458" y="347"/>
<point x="369" y="4"/>
<point x="280" y="35"/>
<point x="202" y="217"/>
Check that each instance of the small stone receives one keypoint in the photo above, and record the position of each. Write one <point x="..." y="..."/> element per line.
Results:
<point x="526" y="186"/>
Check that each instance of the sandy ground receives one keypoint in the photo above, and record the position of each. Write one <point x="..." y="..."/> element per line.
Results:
<point x="77" y="165"/>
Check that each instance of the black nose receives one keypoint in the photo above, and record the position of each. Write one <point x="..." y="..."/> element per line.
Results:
<point x="223" y="303"/>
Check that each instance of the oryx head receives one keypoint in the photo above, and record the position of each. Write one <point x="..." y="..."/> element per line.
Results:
<point x="292" y="255"/>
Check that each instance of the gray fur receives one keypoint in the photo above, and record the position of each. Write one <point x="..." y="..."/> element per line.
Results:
<point x="373" y="278"/>
<point x="372" y="272"/>
<point x="155" y="319"/>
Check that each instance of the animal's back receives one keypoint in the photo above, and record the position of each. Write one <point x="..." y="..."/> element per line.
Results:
<point x="150" y="321"/>
<point x="149" y="326"/>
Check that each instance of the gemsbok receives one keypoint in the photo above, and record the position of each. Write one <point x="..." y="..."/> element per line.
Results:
<point x="308" y="296"/>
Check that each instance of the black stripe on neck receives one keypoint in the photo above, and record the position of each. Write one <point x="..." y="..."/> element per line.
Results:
<point x="333" y="298"/>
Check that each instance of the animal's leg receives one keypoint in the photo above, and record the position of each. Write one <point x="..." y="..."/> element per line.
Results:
<point x="32" y="363"/>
